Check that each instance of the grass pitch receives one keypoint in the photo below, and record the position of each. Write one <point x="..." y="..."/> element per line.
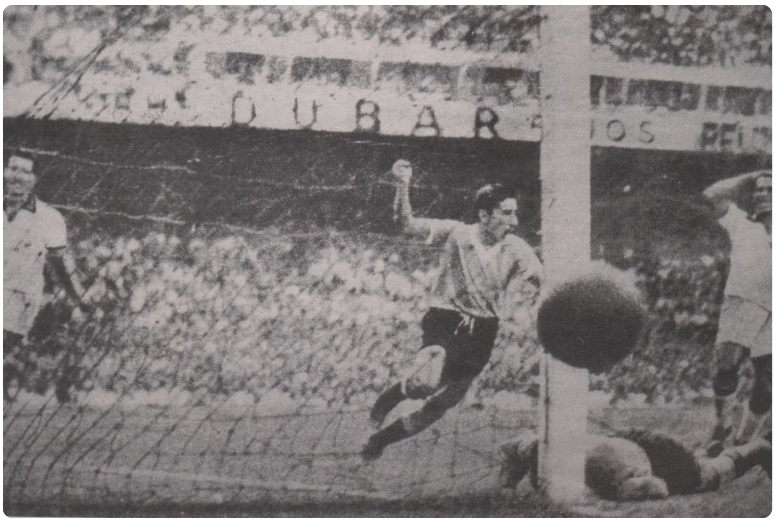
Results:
<point x="448" y="471"/>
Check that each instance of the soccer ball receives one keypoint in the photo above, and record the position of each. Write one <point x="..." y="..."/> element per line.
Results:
<point x="591" y="320"/>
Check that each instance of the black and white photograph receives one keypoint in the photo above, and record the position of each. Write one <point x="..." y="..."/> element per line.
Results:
<point x="387" y="261"/>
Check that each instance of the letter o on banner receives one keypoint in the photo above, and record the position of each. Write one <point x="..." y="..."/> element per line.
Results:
<point x="615" y="130"/>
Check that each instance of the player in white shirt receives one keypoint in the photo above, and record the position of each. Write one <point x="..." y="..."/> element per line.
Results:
<point x="744" y="207"/>
<point x="477" y="264"/>
<point x="34" y="233"/>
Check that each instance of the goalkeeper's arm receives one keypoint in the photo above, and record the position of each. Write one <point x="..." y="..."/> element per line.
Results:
<point x="687" y="473"/>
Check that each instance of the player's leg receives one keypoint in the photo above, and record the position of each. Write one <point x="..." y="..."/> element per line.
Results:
<point x="734" y="462"/>
<point x="430" y="412"/>
<point x="467" y="346"/>
<point x="423" y="379"/>
<point x="11" y="373"/>
<point x="386" y="402"/>
<point x="760" y="402"/>
<point x="518" y="457"/>
<point x="761" y="396"/>
<point x="67" y="378"/>
<point x="467" y="352"/>
<point x="437" y="329"/>
<point x="729" y="358"/>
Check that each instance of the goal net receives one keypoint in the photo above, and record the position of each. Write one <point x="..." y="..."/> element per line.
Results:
<point x="247" y="308"/>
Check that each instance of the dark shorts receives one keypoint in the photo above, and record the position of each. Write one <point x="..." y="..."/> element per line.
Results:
<point x="11" y="340"/>
<point x="763" y="366"/>
<point x="468" y="345"/>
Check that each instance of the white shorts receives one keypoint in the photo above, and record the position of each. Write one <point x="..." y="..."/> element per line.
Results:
<point x="19" y="311"/>
<point x="747" y="324"/>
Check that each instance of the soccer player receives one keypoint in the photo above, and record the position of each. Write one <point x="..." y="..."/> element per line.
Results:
<point x="744" y="207"/>
<point x="640" y="464"/>
<point x="33" y="233"/>
<point x="477" y="263"/>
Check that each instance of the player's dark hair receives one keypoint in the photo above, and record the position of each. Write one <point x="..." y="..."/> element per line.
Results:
<point x="18" y="154"/>
<point x="490" y="196"/>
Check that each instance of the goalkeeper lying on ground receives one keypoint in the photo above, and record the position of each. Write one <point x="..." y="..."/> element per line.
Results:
<point x="640" y="464"/>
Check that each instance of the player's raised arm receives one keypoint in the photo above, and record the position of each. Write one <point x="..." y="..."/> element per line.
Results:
<point x="737" y="189"/>
<point x="402" y="207"/>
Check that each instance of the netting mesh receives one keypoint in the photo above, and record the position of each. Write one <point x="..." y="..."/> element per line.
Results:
<point x="250" y="299"/>
<point x="196" y="453"/>
<point x="244" y="316"/>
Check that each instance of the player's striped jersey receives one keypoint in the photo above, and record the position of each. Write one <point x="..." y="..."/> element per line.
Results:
<point x="474" y="277"/>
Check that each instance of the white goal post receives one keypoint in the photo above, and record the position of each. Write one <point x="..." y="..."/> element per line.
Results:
<point x="565" y="225"/>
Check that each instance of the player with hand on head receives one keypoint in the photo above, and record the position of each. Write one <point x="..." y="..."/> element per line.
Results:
<point x="744" y="207"/>
<point x="34" y="233"/>
<point x="477" y="264"/>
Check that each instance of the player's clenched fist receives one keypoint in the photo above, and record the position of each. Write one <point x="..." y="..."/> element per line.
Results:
<point x="402" y="171"/>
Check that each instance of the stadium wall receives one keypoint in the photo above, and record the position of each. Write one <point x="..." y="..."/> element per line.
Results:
<point x="356" y="164"/>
